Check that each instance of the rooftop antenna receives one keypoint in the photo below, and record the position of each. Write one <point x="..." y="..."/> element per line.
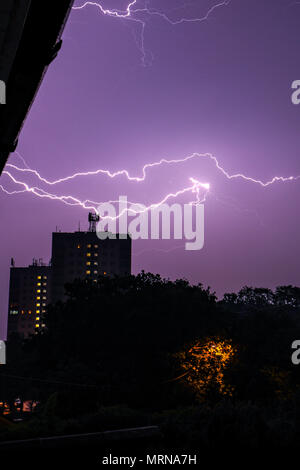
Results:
<point x="79" y="226"/>
<point x="93" y="219"/>
<point x="12" y="262"/>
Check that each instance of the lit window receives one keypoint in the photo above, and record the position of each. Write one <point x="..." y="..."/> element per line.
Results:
<point x="95" y="246"/>
<point x="29" y="311"/>
<point x="44" y="298"/>
<point x="37" y="318"/>
<point x="22" y="311"/>
<point x="44" y="290"/>
<point x="88" y="263"/>
<point x="44" y="277"/>
<point x="44" y="305"/>
<point x="88" y="254"/>
<point x="78" y="246"/>
<point x="37" y="311"/>
<point x="89" y="246"/>
<point x="38" y="284"/>
<point x="88" y="272"/>
<point x="44" y="283"/>
<point x="43" y="311"/>
<point x="38" y="291"/>
<point x="39" y="277"/>
<point x="105" y="273"/>
<point x="38" y="298"/>
<point x="96" y="263"/>
<point x="38" y="305"/>
<point x="95" y="254"/>
<point x="95" y="272"/>
<point x="37" y="325"/>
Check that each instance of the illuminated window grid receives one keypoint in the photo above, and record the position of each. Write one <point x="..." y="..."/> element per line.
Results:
<point x="38" y="291"/>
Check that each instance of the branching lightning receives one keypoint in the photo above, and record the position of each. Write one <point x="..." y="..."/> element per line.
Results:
<point x="130" y="11"/>
<point x="196" y="187"/>
<point x="116" y="13"/>
<point x="133" y="13"/>
<point x="162" y="161"/>
<point x="200" y="19"/>
<point x="199" y="189"/>
<point x="138" y="11"/>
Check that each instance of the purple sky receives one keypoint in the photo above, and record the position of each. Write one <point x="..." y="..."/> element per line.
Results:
<point x="221" y="86"/>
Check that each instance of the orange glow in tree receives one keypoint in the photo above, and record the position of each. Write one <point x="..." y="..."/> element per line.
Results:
<point x="204" y="365"/>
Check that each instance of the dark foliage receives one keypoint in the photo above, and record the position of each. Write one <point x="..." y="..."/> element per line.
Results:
<point x="108" y="358"/>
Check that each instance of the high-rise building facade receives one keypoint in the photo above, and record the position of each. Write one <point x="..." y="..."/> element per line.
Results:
<point x="29" y="294"/>
<point x="78" y="255"/>
<point x="82" y="255"/>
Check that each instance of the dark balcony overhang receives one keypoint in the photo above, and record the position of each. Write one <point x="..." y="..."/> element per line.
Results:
<point x="30" y="38"/>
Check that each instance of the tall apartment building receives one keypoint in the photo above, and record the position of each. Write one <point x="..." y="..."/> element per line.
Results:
<point x="78" y="255"/>
<point x="83" y="255"/>
<point x="29" y="294"/>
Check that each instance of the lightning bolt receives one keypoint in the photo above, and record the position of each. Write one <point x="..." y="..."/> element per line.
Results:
<point x="116" y="13"/>
<point x="200" y="19"/>
<point x="156" y="164"/>
<point x="125" y="15"/>
<point x="131" y="11"/>
<point x="201" y="190"/>
<point x="197" y="187"/>
<point x="69" y="200"/>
